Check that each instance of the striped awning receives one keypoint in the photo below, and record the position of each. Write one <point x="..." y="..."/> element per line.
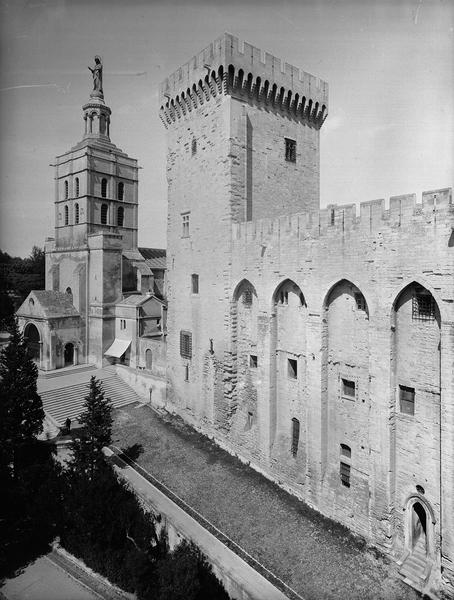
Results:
<point x="118" y="348"/>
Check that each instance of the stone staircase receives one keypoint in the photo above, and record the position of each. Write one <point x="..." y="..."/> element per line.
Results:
<point x="67" y="401"/>
<point x="415" y="569"/>
<point x="64" y="372"/>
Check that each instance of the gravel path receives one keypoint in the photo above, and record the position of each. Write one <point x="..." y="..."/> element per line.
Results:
<point x="313" y="555"/>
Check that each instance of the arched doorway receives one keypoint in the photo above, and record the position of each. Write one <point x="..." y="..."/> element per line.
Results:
<point x="69" y="354"/>
<point x="31" y="334"/>
<point x="418" y="533"/>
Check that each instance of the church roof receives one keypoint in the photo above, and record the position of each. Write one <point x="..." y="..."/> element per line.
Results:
<point x="50" y="305"/>
<point x="154" y="257"/>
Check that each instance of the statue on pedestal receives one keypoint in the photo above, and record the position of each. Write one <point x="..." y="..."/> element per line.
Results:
<point x="97" y="77"/>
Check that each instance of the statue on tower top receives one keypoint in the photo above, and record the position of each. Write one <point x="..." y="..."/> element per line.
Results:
<point x="97" y="78"/>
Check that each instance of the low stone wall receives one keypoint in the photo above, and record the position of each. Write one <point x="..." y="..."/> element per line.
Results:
<point x="149" y="387"/>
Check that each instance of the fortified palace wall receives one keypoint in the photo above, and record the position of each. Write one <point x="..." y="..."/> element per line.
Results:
<point x="316" y="344"/>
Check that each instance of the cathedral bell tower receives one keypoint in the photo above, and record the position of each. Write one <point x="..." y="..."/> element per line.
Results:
<point x="96" y="204"/>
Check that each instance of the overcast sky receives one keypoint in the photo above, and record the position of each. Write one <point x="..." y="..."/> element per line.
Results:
<point x="389" y="65"/>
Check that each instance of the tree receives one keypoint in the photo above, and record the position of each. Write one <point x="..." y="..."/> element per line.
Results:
<point x="96" y="433"/>
<point x="21" y="409"/>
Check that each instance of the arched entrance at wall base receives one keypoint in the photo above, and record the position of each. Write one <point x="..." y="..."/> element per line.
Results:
<point x="69" y="354"/>
<point x="419" y="525"/>
<point x="33" y="339"/>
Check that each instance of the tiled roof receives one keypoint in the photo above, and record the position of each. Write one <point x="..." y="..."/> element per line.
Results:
<point x="154" y="257"/>
<point x="53" y="304"/>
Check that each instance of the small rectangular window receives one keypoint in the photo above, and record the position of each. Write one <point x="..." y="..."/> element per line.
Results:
<point x="250" y="419"/>
<point x="186" y="372"/>
<point x="253" y="363"/>
<point x="295" y="436"/>
<point x="423" y="306"/>
<point x="348" y="389"/>
<point x="290" y="150"/>
<point x="185" y="344"/>
<point x="292" y="368"/>
<point x="185" y="225"/>
<point x="407" y="400"/>
<point x="195" y="283"/>
<point x="194" y="146"/>
<point x="345" y="474"/>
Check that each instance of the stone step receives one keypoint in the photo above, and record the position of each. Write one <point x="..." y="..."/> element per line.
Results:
<point x="67" y="402"/>
<point x="66" y="371"/>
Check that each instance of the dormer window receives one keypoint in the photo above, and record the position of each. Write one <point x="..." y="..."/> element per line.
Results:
<point x="104" y="187"/>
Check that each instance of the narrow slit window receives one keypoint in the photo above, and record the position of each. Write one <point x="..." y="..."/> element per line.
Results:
<point x="186" y="372"/>
<point x="348" y="389"/>
<point x="120" y="216"/>
<point x="195" y="283"/>
<point x="295" y="436"/>
<point x="194" y="147"/>
<point x="292" y="368"/>
<point x="104" y="188"/>
<point x="121" y="191"/>
<point x="66" y="215"/>
<point x="104" y="209"/>
<point x="77" y="187"/>
<point x="290" y="150"/>
<point x="407" y="400"/>
<point x="76" y="213"/>
<point x="66" y="190"/>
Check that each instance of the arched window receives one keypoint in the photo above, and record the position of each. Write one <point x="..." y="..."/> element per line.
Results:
<point x="66" y="215"/>
<point x="76" y="187"/>
<point x="76" y="213"/>
<point x="121" y="191"/>
<point x="148" y="359"/>
<point x="104" y="188"/>
<point x="104" y="209"/>
<point x="66" y="190"/>
<point x="120" y="216"/>
<point x="69" y="291"/>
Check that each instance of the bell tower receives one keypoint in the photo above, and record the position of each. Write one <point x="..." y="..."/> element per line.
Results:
<point x="96" y="204"/>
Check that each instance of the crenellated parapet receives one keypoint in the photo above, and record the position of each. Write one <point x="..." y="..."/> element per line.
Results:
<point x="232" y="67"/>
<point x="436" y="207"/>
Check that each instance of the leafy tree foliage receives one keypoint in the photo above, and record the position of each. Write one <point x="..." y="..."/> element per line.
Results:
<point x="21" y="409"/>
<point x="18" y="276"/>
<point x="96" y="432"/>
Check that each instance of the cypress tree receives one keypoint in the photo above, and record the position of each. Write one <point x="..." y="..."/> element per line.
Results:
<point x="21" y="409"/>
<point x="96" y="432"/>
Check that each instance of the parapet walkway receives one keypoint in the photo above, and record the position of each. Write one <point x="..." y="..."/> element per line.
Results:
<point x="314" y="556"/>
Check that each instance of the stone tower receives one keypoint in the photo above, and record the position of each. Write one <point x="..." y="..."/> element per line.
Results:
<point x="96" y="187"/>
<point x="243" y="144"/>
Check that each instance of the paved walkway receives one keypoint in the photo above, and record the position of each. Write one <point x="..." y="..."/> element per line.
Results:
<point x="311" y="554"/>
<point x="44" y="580"/>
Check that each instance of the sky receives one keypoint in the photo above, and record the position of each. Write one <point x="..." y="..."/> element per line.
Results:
<point x="389" y="65"/>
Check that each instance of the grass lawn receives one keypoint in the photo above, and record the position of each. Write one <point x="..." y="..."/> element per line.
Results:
<point x="318" y="558"/>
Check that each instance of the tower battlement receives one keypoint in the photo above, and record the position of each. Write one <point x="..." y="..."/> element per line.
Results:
<point x="229" y="64"/>
<point x="436" y="206"/>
